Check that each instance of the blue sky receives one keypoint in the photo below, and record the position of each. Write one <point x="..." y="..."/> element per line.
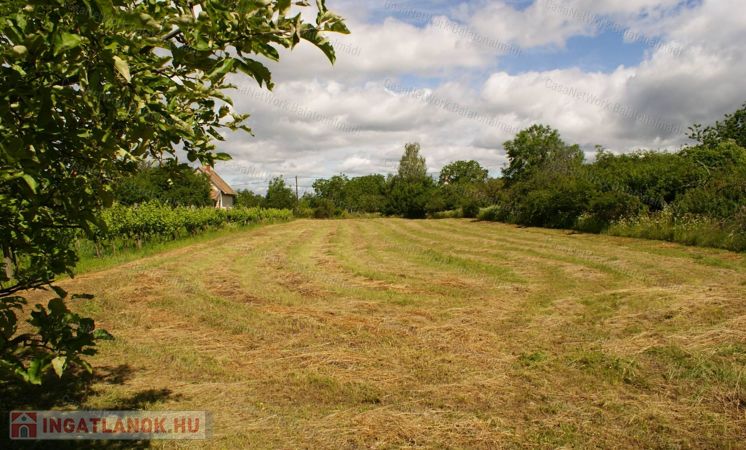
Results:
<point x="602" y="53"/>
<point x="624" y="74"/>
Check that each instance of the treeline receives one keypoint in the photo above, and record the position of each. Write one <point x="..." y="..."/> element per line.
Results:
<point x="695" y="196"/>
<point x="411" y="192"/>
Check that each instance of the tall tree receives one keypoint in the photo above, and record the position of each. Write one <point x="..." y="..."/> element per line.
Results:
<point x="412" y="166"/>
<point x="280" y="195"/>
<point x="411" y="190"/>
<point x="89" y="86"/>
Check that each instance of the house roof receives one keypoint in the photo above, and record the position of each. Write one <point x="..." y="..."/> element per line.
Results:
<point x="217" y="181"/>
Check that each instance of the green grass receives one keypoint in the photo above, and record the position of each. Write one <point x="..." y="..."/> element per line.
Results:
<point x="388" y="333"/>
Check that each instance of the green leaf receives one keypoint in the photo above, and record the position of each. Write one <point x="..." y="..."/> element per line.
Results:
<point x="30" y="181"/>
<point x="34" y="371"/>
<point x="123" y="68"/>
<point x="283" y="6"/>
<point x="256" y="70"/>
<point x="313" y="36"/>
<point x="221" y="69"/>
<point x="59" y="364"/>
<point x="86" y="365"/>
<point x="20" y="50"/>
<point x="65" y="41"/>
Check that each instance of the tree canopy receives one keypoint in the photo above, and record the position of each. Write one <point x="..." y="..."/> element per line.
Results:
<point x="90" y="87"/>
<point x="412" y="166"/>
<point x="460" y="172"/>
<point x="535" y="148"/>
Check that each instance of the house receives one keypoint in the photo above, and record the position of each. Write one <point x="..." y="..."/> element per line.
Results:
<point x="222" y="194"/>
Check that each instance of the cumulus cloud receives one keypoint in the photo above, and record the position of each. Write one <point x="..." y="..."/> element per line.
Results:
<point x="400" y="80"/>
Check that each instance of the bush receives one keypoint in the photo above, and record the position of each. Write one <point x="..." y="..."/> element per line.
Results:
<point x="325" y="209"/>
<point x="134" y="225"/>
<point x="690" y="230"/>
<point x="410" y="198"/>
<point x="470" y="210"/>
<point x="494" y="214"/>
<point x="450" y="214"/>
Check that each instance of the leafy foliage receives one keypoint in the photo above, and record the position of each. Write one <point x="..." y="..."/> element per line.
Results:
<point x="279" y="195"/>
<point x="412" y="166"/>
<point x="696" y="196"/>
<point x="733" y="127"/>
<point x="538" y="148"/>
<point x="133" y="225"/>
<point x="411" y="193"/>
<point x="463" y="185"/>
<point x="248" y="199"/>
<point x="172" y="184"/>
<point x="364" y="194"/>
<point x="91" y="87"/>
<point x="463" y="172"/>
<point x="60" y="340"/>
<point x="410" y="198"/>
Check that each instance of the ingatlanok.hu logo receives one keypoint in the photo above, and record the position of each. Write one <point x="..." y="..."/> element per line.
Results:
<point x="108" y="425"/>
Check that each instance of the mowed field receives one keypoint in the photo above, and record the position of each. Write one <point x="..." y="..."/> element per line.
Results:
<point x="388" y="333"/>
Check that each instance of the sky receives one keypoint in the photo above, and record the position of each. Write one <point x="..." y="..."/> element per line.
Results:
<point x="463" y="77"/>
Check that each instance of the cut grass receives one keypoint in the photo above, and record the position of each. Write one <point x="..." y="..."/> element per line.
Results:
<point x="389" y="333"/>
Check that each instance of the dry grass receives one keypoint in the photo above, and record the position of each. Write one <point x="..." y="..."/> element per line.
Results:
<point x="432" y="334"/>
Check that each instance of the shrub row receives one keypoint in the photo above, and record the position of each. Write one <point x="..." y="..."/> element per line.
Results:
<point x="156" y="222"/>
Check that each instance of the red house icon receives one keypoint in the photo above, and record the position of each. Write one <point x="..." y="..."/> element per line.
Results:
<point x="22" y="425"/>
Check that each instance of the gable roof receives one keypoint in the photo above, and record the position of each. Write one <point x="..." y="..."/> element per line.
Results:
<point x="217" y="181"/>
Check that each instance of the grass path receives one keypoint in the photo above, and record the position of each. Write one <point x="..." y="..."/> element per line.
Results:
<point x="430" y="334"/>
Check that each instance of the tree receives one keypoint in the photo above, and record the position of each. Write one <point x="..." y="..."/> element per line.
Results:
<point x="536" y="148"/>
<point x="169" y="183"/>
<point x="733" y="127"/>
<point x="410" y="193"/>
<point x="248" y="199"/>
<point x="89" y="87"/>
<point x="462" y="185"/>
<point x="332" y="189"/>
<point x="463" y="172"/>
<point x="366" y="194"/>
<point x="412" y="166"/>
<point x="410" y="198"/>
<point x="279" y="195"/>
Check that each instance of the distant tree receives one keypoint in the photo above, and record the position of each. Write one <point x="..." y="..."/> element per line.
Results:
<point x="412" y="192"/>
<point x="410" y="198"/>
<point x="366" y="194"/>
<point x="536" y="148"/>
<point x="493" y="191"/>
<point x="733" y="127"/>
<point x="412" y="166"/>
<point x="279" y="195"/>
<point x="462" y="184"/>
<point x="169" y="183"/>
<point x="332" y="189"/>
<point x="463" y="172"/>
<point x="249" y="199"/>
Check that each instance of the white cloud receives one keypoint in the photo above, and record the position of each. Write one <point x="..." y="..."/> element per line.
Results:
<point x="323" y="120"/>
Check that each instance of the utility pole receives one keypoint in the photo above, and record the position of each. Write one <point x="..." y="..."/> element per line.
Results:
<point x="297" y="198"/>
